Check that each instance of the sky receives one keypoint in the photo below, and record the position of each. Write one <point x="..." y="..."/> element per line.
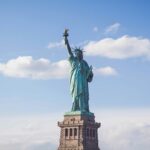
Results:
<point x="34" y="71"/>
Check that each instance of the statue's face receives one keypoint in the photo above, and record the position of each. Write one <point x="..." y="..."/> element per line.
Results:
<point x="79" y="55"/>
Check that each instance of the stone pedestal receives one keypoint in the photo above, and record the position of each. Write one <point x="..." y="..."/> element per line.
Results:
<point x="79" y="131"/>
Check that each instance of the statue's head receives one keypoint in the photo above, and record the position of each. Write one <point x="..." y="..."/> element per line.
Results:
<point x="78" y="53"/>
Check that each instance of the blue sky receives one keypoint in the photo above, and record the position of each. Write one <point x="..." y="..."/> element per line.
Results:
<point x="33" y="62"/>
<point x="28" y="27"/>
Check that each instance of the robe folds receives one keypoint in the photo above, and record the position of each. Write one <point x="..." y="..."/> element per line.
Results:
<point x="79" y="75"/>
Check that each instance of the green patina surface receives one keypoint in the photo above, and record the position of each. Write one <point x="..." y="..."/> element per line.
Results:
<point x="80" y="75"/>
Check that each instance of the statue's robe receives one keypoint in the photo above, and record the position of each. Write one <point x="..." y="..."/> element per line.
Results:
<point x="79" y="74"/>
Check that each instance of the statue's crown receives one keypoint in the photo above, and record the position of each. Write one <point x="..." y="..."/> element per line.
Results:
<point x="77" y="49"/>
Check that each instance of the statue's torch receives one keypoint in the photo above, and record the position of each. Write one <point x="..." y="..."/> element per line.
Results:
<point x="65" y="34"/>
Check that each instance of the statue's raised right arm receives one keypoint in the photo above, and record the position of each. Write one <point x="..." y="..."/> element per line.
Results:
<point x="67" y="42"/>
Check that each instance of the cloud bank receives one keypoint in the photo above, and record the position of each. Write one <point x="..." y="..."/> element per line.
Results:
<point x="120" y="130"/>
<point x="120" y="48"/>
<point x="29" y="132"/>
<point x="125" y="129"/>
<point x="27" y="67"/>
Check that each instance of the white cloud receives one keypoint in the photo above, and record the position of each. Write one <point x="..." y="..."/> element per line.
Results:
<point x="56" y="44"/>
<point x="29" y="132"/>
<point x="120" y="130"/>
<point x="124" y="129"/>
<point x="95" y="29"/>
<point x="27" y="67"/>
<point x="106" y="71"/>
<point x="120" y="48"/>
<point x="113" y="28"/>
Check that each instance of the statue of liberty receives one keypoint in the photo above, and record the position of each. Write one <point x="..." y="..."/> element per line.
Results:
<point x="80" y="75"/>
